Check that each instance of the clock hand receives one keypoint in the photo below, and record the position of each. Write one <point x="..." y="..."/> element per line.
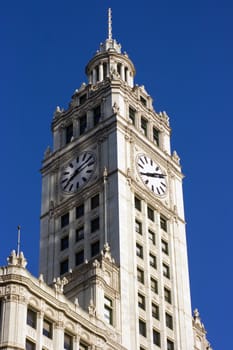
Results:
<point x="76" y="172"/>
<point x="161" y="176"/>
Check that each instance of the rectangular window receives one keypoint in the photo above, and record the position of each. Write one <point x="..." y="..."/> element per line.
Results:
<point x="64" y="242"/>
<point x="150" y="214"/>
<point x="95" y="201"/>
<point x="137" y="203"/>
<point x="65" y="220"/>
<point x="79" y="211"/>
<point x="132" y="113"/>
<point x="166" y="271"/>
<point x="152" y="260"/>
<point x="142" y="328"/>
<point x="108" y="310"/>
<point x="82" y="99"/>
<point x="139" y="250"/>
<point x="156" y="136"/>
<point x="64" y="266"/>
<point x="82" y="124"/>
<point x="164" y="246"/>
<point x="79" y="258"/>
<point x="144" y="126"/>
<point x="170" y="345"/>
<point x="95" y="248"/>
<point x="151" y="236"/>
<point x="155" y="311"/>
<point x="138" y="227"/>
<point x="169" y="321"/>
<point x="167" y="295"/>
<point x="140" y="275"/>
<point x="68" y="342"/>
<point x="30" y="345"/>
<point x="156" y="337"/>
<point x="79" y="234"/>
<point x="96" y="115"/>
<point x="154" y="285"/>
<point x="95" y="225"/>
<point x="31" y="318"/>
<point x="141" y="301"/>
<point x="143" y="100"/>
<point x="47" y="329"/>
<point x="69" y="133"/>
<point x="163" y="223"/>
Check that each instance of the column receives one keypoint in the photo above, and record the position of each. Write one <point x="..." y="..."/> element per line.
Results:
<point x="90" y="78"/>
<point x="101" y="72"/>
<point x="94" y="76"/>
<point x="131" y="80"/>
<point x="108" y="69"/>
<point x="14" y="313"/>
<point x="76" y="341"/>
<point x="127" y="75"/>
<point x="40" y="317"/>
<point x="59" y="336"/>
<point x="123" y="72"/>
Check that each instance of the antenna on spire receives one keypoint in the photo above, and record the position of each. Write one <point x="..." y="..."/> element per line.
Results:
<point x="109" y="24"/>
<point x="18" y="243"/>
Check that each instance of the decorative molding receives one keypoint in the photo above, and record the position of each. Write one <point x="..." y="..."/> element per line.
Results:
<point x="17" y="260"/>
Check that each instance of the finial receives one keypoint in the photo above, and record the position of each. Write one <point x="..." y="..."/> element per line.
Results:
<point x="105" y="173"/>
<point x="109" y="24"/>
<point x="18" y="243"/>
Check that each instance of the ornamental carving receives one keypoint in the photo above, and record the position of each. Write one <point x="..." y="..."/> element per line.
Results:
<point x="114" y="75"/>
<point x="175" y="157"/>
<point x="115" y="108"/>
<point x="58" y="111"/>
<point x="91" y="308"/>
<point x="59" y="284"/>
<point x="164" y="117"/>
<point x="17" y="260"/>
<point x="47" y="152"/>
<point x="96" y="263"/>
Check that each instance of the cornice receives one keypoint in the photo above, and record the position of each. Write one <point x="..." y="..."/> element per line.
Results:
<point x="133" y="136"/>
<point x="94" y="93"/>
<point x="92" y="136"/>
<point x="70" y="310"/>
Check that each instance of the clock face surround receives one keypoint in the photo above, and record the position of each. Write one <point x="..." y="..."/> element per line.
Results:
<point x="151" y="175"/>
<point x="78" y="172"/>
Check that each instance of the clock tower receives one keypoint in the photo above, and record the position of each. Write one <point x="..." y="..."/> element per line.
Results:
<point x="112" y="196"/>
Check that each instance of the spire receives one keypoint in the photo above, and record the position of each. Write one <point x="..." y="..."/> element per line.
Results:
<point x="109" y="24"/>
<point x="18" y="242"/>
<point x="109" y="62"/>
<point x="110" y="43"/>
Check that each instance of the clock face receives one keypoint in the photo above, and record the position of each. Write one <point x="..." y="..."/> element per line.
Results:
<point x="78" y="172"/>
<point x="151" y="175"/>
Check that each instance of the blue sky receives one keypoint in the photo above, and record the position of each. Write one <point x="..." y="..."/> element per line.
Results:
<point x="183" y="55"/>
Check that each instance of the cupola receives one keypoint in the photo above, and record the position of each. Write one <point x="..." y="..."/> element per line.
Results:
<point x="110" y="61"/>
